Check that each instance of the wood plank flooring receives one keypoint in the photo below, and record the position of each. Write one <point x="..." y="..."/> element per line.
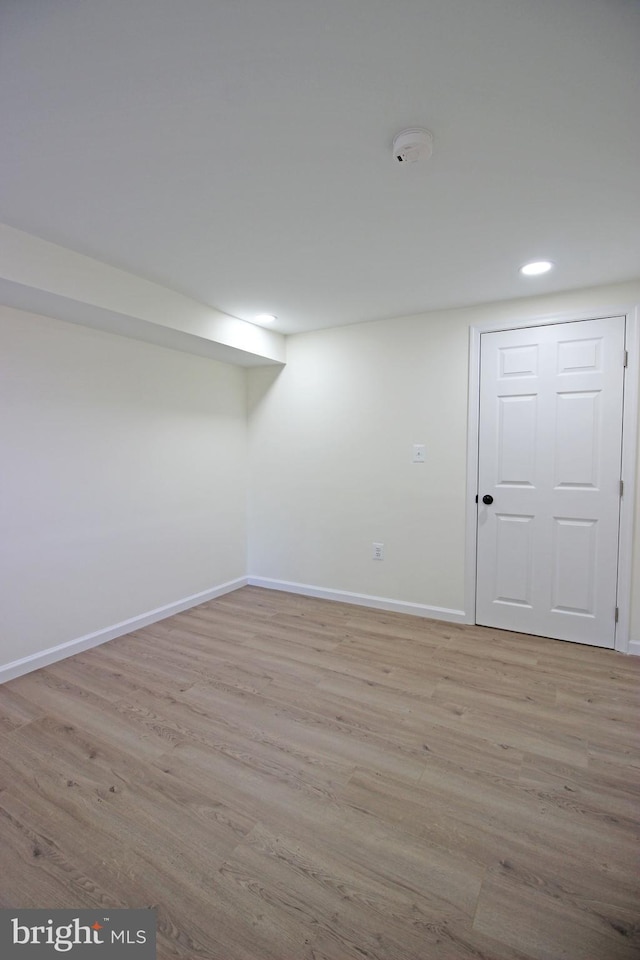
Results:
<point x="285" y="778"/>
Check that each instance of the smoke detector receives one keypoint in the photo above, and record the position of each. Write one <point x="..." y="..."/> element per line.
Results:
<point x="412" y="145"/>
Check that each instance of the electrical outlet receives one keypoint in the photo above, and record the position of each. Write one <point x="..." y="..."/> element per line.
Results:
<point x="378" y="551"/>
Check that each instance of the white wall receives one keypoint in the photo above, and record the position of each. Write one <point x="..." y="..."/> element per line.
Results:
<point x="330" y="451"/>
<point x="123" y="468"/>
<point x="123" y="479"/>
<point x="330" y="443"/>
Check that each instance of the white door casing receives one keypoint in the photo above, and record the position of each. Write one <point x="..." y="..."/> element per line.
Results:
<point x="550" y="438"/>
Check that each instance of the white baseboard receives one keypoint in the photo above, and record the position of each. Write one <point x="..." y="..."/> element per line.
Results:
<point x="44" y="658"/>
<point x="51" y="655"/>
<point x="363" y="600"/>
<point x="634" y="648"/>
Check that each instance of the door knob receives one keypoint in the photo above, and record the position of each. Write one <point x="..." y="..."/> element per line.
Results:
<point x="487" y="499"/>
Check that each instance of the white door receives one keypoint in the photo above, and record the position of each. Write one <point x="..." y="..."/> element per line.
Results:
<point x="550" y="442"/>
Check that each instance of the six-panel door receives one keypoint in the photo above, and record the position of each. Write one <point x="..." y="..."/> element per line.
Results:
<point x="550" y="443"/>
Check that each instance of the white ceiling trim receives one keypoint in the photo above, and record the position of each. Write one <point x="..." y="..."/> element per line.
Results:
<point x="45" y="278"/>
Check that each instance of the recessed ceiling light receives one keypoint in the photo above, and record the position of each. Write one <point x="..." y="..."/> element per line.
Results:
<point x="535" y="268"/>
<point x="265" y="318"/>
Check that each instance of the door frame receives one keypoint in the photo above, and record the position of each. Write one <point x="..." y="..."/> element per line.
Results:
<point x="629" y="448"/>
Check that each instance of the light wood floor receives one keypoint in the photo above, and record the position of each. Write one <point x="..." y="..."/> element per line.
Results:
<point x="286" y="778"/>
